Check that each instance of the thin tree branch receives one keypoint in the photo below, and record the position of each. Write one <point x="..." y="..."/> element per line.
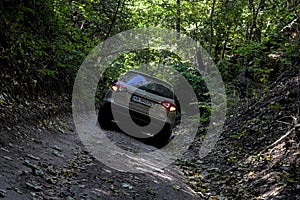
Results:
<point x="296" y="125"/>
<point x="114" y="19"/>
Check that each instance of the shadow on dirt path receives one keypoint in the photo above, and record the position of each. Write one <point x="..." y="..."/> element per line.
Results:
<point x="52" y="163"/>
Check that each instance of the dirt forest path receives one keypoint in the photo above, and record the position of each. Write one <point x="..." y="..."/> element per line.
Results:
<point x="52" y="163"/>
<point x="256" y="157"/>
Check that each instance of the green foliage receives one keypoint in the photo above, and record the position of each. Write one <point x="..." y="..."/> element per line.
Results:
<point x="46" y="41"/>
<point x="275" y="106"/>
<point x="238" y="135"/>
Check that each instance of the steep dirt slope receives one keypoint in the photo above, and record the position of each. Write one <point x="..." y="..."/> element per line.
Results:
<point x="258" y="155"/>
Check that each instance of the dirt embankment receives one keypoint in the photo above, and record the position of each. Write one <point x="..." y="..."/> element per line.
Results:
<point x="258" y="155"/>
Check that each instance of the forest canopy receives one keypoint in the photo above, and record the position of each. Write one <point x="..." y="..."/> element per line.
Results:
<point x="43" y="42"/>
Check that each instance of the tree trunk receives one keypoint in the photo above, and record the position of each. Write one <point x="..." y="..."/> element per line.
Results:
<point x="178" y="20"/>
<point x="211" y="26"/>
<point x="255" y="15"/>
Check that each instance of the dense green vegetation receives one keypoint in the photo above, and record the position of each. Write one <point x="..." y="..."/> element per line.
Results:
<point x="44" y="42"/>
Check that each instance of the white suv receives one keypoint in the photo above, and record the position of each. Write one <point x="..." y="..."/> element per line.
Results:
<point x="146" y="100"/>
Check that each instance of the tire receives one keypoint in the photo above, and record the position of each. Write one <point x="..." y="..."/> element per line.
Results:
<point x="161" y="139"/>
<point x="105" y="117"/>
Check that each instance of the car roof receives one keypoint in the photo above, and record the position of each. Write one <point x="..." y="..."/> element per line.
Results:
<point x="151" y="77"/>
